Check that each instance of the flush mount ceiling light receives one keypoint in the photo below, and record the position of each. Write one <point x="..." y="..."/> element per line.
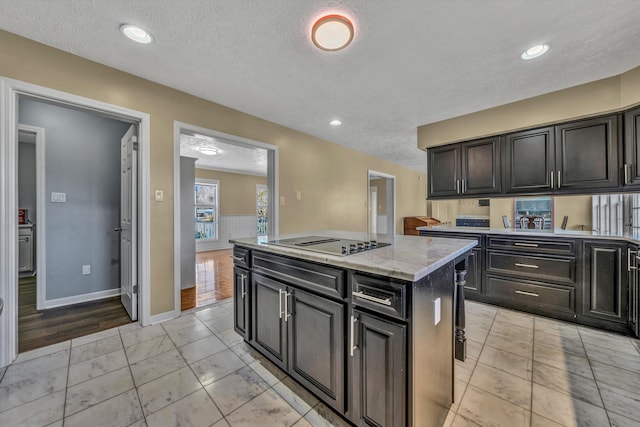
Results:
<point x="136" y="34"/>
<point x="208" y="150"/>
<point x="332" y="32"/>
<point x="535" y="51"/>
<point x="335" y="122"/>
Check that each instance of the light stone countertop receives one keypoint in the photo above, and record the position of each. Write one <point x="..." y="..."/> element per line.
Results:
<point x="408" y="258"/>
<point x="556" y="233"/>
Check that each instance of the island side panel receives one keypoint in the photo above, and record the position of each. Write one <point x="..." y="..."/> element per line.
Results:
<point x="431" y="358"/>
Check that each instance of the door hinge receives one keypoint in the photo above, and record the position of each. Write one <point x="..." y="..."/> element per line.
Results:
<point x="135" y="145"/>
<point x="135" y="289"/>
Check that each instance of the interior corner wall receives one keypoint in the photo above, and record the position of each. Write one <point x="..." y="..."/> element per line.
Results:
<point x="82" y="160"/>
<point x="187" y="223"/>
<point x="333" y="179"/>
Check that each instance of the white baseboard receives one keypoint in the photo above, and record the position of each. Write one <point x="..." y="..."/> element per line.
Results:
<point x="77" y="299"/>
<point x="157" y="318"/>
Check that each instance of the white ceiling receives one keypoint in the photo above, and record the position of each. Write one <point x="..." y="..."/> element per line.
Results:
<point x="411" y="62"/>
<point x="230" y="158"/>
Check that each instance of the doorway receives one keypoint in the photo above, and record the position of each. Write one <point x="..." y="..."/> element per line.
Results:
<point x="230" y="175"/>
<point x="14" y="95"/>
<point x="381" y="202"/>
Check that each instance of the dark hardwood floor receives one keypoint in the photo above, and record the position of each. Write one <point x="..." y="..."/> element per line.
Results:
<point x="41" y="328"/>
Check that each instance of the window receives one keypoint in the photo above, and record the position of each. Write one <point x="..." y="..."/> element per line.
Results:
<point x="206" y="209"/>
<point x="262" y="200"/>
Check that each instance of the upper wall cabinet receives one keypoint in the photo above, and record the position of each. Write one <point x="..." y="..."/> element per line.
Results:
<point x="632" y="149"/>
<point x="465" y="169"/>
<point x="587" y="154"/>
<point x="530" y="161"/>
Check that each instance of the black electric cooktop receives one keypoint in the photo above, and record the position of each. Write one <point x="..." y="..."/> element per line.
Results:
<point x="330" y="245"/>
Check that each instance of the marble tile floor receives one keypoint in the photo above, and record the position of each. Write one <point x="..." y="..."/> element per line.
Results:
<point x="196" y="371"/>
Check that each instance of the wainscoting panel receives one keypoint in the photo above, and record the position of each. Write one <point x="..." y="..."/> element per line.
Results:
<point x="230" y="227"/>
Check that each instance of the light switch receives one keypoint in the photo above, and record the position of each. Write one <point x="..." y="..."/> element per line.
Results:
<point x="282" y="200"/>
<point x="298" y="195"/>
<point x="159" y="195"/>
<point x="58" y="197"/>
<point x="86" y="269"/>
<point x="436" y="311"/>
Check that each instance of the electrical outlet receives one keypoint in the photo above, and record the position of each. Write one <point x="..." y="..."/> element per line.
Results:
<point x="86" y="269"/>
<point x="58" y="197"/>
<point x="159" y="195"/>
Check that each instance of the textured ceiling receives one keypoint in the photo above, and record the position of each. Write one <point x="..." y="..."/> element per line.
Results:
<point x="230" y="158"/>
<point x="411" y="62"/>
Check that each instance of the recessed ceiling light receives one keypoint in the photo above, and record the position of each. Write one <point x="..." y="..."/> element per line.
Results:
<point x="535" y="51"/>
<point x="332" y="32"/>
<point x="335" y="122"/>
<point x="136" y="34"/>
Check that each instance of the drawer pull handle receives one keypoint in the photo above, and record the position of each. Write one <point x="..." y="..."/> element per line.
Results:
<point x="518" y="264"/>
<point x="237" y="258"/>
<point x="386" y="301"/>
<point x="527" y="245"/>
<point x="531" y="294"/>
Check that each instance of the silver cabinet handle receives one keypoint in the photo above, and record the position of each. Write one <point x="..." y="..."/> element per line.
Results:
<point x="531" y="294"/>
<point x="117" y="229"/>
<point x="464" y="186"/>
<point x="559" y="180"/>
<point x="280" y="292"/>
<point x="386" y="301"/>
<point x="527" y="245"/>
<point x="286" y="305"/>
<point x="551" y="173"/>
<point x="237" y="258"/>
<point x="626" y="173"/>
<point x="243" y="281"/>
<point x="629" y="266"/>
<point x="458" y="186"/>
<point x="518" y="264"/>
<point x="352" y="346"/>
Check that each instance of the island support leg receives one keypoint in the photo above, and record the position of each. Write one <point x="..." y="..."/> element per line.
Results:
<point x="460" y="347"/>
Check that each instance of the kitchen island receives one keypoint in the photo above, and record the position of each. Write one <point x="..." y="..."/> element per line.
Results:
<point x="370" y="333"/>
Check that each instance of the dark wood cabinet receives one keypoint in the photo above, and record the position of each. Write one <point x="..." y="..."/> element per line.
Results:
<point x="269" y="331"/>
<point x="631" y="167"/>
<point x="481" y="167"/>
<point x="633" y="258"/>
<point x="378" y="371"/>
<point x="444" y="171"/>
<point x="529" y="165"/>
<point x="241" y="307"/>
<point x="587" y="154"/>
<point x="465" y="169"/>
<point x="605" y="293"/>
<point x="316" y="346"/>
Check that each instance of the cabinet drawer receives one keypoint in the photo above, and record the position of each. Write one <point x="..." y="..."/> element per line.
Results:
<point x="320" y="278"/>
<point x="241" y="257"/>
<point x="384" y="296"/>
<point x="532" y="294"/>
<point x="526" y="244"/>
<point x="532" y="266"/>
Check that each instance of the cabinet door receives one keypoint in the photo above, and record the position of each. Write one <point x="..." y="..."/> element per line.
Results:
<point x="481" y="167"/>
<point x="444" y="171"/>
<point x="241" y="306"/>
<point x="632" y="149"/>
<point x="378" y="371"/>
<point x="267" y="314"/>
<point x="529" y="161"/>
<point x="633" y="258"/>
<point x="474" y="272"/>
<point x="316" y="346"/>
<point x="605" y="281"/>
<point x="25" y="253"/>
<point x="587" y="154"/>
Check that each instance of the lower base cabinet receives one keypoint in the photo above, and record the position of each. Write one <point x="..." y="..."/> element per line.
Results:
<point x="378" y="371"/>
<point x="303" y="334"/>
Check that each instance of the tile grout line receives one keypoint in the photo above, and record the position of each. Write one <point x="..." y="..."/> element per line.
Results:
<point x="66" y="385"/>
<point x="133" y="381"/>
<point x="606" y="411"/>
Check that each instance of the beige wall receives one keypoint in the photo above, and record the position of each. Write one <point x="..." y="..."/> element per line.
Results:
<point x="332" y="178"/>
<point x="237" y="191"/>
<point x="602" y="96"/>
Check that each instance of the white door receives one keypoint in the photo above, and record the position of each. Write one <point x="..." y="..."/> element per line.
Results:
<point x="373" y="210"/>
<point x="128" y="223"/>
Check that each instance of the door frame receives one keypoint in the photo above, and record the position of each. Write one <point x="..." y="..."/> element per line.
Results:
<point x="390" y="201"/>
<point x="41" y="261"/>
<point x="10" y="91"/>
<point x="272" y="185"/>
